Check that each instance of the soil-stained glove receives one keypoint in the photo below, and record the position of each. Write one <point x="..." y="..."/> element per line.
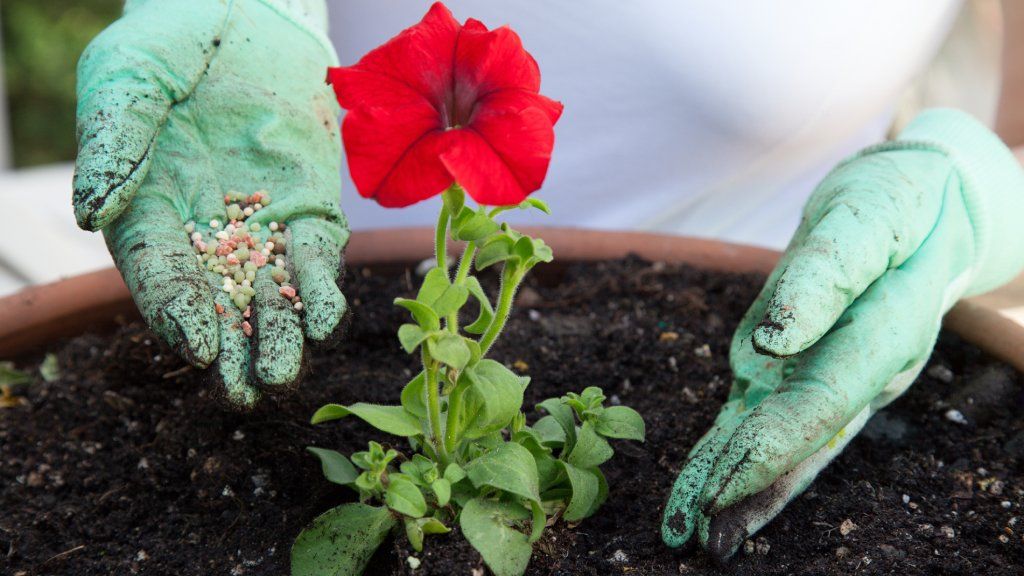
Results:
<point x="180" y="102"/>
<point x="889" y="241"/>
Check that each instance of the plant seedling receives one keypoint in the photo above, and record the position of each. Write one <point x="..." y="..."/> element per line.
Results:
<point x="473" y="459"/>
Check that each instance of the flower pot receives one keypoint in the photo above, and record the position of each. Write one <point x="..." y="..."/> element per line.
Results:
<point x="127" y="434"/>
<point x="41" y="314"/>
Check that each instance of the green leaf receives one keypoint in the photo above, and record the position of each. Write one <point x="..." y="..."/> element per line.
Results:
<point x="486" y="311"/>
<point x="443" y="490"/>
<point x="341" y="541"/>
<point x="620" y="422"/>
<point x="471" y="225"/>
<point x="412" y="396"/>
<point x="433" y="526"/>
<point x="475" y="352"/>
<point x="549" y="431"/>
<point x="535" y="203"/>
<point x="530" y="440"/>
<point x="451" y="300"/>
<point x="434" y="284"/>
<point x="585" y="488"/>
<point x="541" y="251"/>
<point x="411" y="336"/>
<point x="449" y="349"/>
<point x="602" y="491"/>
<point x="391" y="419"/>
<point x="591" y="449"/>
<point x="523" y="248"/>
<point x="415" y="528"/>
<point x="487" y="525"/>
<point x="454" y="199"/>
<point x="496" y="249"/>
<point x="491" y="395"/>
<point x="422" y="313"/>
<point x="336" y="466"/>
<point x="49" y="368"/>
<point x="564" y="417"/>
<point x="414" y="532"/>
<point x="404" y="497"/>
<point x="11" y="376"/>
<point x="421" y="470"/>
<point x="454" y="473"/>
<point x="510" y="468"/>
<point x="548" y="470"/>
<point x="539" y="520"/>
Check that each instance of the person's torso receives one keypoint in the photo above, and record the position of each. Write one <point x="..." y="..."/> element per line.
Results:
<point x="700" y="118"/>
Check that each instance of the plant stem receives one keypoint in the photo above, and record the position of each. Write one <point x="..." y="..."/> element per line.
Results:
<point x="511" y="276"/>
<point x="452" y="424"/>
<point x="452" y="321"/>
<point x="441" y="241"/>
<point x="434" y="407"/>
<point x="465" y="262"/>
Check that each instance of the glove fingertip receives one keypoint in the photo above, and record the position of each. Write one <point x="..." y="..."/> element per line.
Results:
<point x="725" y="535"/>
<point x="194" y="331"/>
<point x="324" y="314"/>
<point x="771" y="338"/>
<point x="104" y="187"/>
<point x="676" y="527"/>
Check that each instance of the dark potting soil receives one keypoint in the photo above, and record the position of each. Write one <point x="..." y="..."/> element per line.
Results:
<point x="124" y="465"/>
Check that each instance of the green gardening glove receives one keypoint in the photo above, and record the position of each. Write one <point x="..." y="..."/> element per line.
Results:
<point x="889" y="241"/>
<point x="181" y="102"/>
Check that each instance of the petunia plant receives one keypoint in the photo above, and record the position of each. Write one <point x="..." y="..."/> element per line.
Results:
<point x="474" y="130"/>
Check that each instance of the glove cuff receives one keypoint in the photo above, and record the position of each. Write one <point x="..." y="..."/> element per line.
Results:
<point x="993" y="188"/>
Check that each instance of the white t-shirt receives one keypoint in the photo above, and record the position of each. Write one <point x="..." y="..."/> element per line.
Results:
<point x="706" y="118"/>
<point x="703" y="118"/>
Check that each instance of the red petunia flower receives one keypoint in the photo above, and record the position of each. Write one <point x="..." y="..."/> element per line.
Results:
<point x="442" y="103"/>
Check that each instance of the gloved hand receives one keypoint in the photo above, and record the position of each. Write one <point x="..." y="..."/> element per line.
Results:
<point x="888" y="242"/>
<point x="180" y="102"/>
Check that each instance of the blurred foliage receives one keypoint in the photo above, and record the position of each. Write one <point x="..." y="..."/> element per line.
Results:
<point x="42" y="40"/>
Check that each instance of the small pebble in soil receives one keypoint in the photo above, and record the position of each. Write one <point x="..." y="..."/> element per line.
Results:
<point x="620" y="557"/>
<point x="947" y="531"/>
<point x="955" y="416"/>
<point x="847" y="526"/>
<point x="940" y="373"/>
<point x="1006" y="504"/>
<point x="238" y="251"/>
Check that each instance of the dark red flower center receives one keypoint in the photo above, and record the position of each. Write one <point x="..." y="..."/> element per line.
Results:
<point x="459" y="105"/>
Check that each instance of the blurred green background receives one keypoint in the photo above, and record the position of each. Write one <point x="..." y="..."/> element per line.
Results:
<point x="42" y="40"/>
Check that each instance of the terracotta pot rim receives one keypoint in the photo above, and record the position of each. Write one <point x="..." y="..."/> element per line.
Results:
<point x="39" y="315"/>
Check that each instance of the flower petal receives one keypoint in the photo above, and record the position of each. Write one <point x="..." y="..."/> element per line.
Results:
<point x="356" y="87"/>
<point x="385" y="147"/>
<point x="519" y="100"/>
<point x="503" y="156"/>
<point x="418" y="175"/>
<point x="419" y="57"/>
<point x="486" y="61"/>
